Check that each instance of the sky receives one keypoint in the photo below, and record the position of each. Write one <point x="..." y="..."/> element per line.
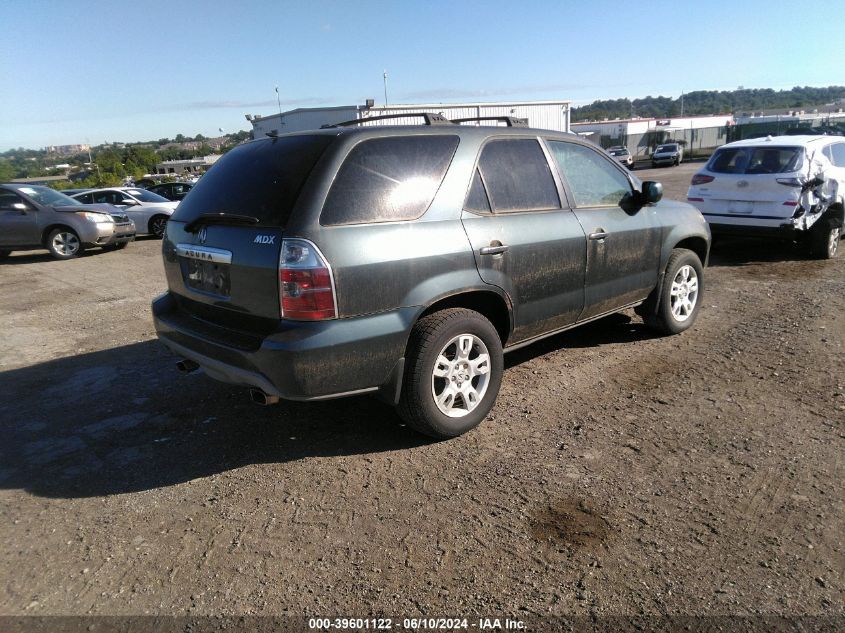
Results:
<point x="111" y="70"/>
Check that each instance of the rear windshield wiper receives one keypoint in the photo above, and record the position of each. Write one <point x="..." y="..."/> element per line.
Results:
<point x="219" y="218"/>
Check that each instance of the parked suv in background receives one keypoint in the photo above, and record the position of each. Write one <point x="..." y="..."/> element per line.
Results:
<point x="148" y="210"/>
<point x="403" y="260"/>
<point x="622" y="155"/>
<point x="779" y="187"/>
<point x="667" y="154"/>
<point x="32" y="216"/>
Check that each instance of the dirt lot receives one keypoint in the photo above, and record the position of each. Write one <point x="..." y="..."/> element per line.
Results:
<point x="618" y="474"/>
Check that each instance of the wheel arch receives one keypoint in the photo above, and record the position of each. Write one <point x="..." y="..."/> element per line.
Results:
<point x="697" y="245"/>
<point x="836" y="212"/>
<point x="493" y="306"/>
<point x="57" y="225"/>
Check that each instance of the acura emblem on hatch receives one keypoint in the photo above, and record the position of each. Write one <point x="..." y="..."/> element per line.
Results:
<point x="202" y="235"/>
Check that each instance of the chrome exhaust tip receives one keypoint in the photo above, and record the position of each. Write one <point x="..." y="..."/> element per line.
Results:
<point x="264" y="399"/>
<point x="187" y="366"/>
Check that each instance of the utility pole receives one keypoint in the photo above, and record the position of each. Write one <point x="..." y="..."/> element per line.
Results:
<point x="384" y="76"/>
<point x="279" y="101"/>
<point x="682" y="104"/>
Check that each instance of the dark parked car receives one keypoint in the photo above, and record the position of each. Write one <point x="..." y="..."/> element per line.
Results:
<point x="171" y="190"/>
<point x="404" y="260"/>
<point x="32" y="216"/>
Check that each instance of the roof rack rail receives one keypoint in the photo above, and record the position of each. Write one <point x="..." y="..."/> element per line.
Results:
<point x="512" y="121"/>
<point x="431" y="118"/>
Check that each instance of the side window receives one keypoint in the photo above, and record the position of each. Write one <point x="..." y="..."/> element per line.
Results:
<point x="477" y="200"/>
<point x="8" y="199"/>
<point x="838" y="150"/>
<point x="86" y="198"/>
<point x="388" y="179"/>
<point x="517" y="176"/>
<point x="828" y="152"/>
<point x="595" y="181"/>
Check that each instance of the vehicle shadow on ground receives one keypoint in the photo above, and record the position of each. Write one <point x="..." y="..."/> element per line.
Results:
<point x="741" y="251"/>
<point x="33" y="257"/>
<point x="124" y="420"/>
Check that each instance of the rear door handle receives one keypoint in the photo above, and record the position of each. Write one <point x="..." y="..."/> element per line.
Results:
<point x="494" y="250"/>
<point x="600" y="234"/>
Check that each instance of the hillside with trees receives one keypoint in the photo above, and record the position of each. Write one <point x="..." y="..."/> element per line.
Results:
<point x="709" y="102"/>
<point x="109" y="164"/>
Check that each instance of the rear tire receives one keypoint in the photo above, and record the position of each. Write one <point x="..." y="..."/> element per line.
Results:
<point x="64" y="243"/>
<point x="454" y="368"/>
<point x="673" y="306"/>
<point x="824" y="239"/>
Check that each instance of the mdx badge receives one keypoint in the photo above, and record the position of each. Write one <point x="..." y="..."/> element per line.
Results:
<point x="264" y="239"/>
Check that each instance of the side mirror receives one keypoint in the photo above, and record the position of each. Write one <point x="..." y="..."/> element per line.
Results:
<point x="129" y="202"/>
<point x="651" y="192"/>
<point x="20" y="206"/>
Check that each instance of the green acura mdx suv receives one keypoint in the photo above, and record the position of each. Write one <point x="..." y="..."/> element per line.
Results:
<point x="404" y="260"/>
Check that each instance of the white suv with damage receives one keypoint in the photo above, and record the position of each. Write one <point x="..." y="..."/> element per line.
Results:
<point x="782" y="186"/>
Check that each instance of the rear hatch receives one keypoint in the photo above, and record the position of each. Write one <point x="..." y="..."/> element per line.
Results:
<point x="221" y="248"/>
<point x="751" y="181"/>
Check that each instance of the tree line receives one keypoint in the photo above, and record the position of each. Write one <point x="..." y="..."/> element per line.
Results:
<point x="702" y="102"/>
<point x="109" y="164"/>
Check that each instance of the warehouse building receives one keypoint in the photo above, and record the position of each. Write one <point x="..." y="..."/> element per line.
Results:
<point x="549" y="115"/>
<point x="699" y="135"/>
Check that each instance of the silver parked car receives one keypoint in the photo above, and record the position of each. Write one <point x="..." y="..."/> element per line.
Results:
<point x="621" y="153"/>
<point x="148" y="210"/>
<point x="33" y="216"/>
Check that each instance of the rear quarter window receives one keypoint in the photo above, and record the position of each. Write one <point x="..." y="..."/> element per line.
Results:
<point x="389" y="179"/>
<point x="262" y="179"/>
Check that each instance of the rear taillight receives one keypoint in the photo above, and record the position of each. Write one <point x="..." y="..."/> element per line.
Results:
<point x="306" y="286"/>
<point x="700" y="179"/>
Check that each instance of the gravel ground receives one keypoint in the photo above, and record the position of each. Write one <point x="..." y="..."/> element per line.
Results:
<point x="619" y="473"/>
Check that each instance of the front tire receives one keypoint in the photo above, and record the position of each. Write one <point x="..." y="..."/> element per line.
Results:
<point x="63" y="243"/>
<point x="673" y="307"/>
<point x="824" y="239"/>
<point x="454" y="369"/>
<point x="158" y="224"/>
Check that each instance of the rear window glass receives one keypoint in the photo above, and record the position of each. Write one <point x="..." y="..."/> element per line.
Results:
<point x="390" y="179"/>
<point x="755" y="160"/>
<point x="261" y="179"/>
<point x="666" y="148"/>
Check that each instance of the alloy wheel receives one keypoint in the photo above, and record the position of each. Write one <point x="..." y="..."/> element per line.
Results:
<point x="684" y="293"/>
<point x="461" y="375"/>
<point x="66" y="244"/>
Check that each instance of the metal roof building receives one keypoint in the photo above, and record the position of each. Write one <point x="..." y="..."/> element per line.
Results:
<point x="549" y="115"/>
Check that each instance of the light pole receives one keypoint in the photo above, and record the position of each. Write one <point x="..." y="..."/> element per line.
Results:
<point x="279" y="101"/>
<point x="384" y="76"/>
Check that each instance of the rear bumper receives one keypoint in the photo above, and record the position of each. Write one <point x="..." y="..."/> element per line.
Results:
<point x="773" y="231"/>
<point x="300" y="360"/>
